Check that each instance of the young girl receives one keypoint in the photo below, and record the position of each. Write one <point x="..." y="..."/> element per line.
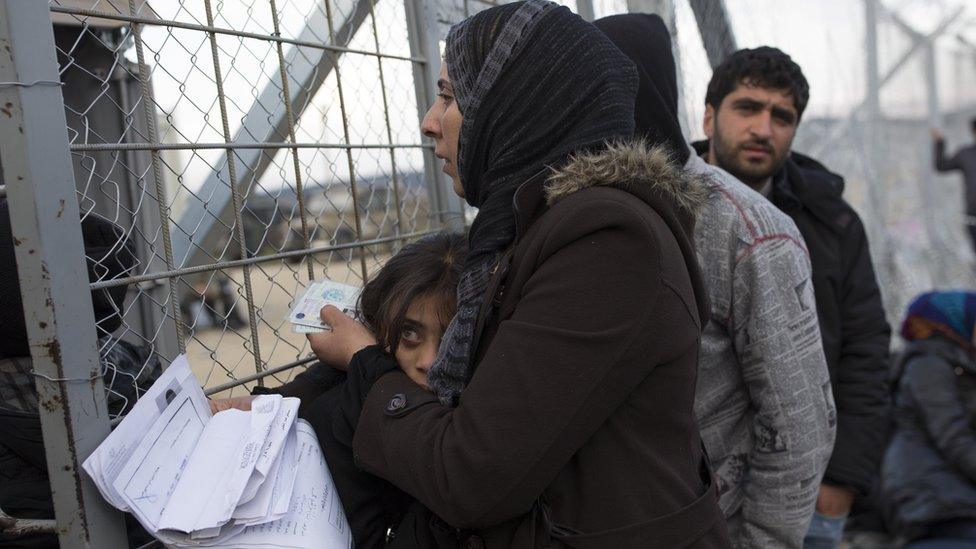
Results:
<point x="407" y="305"/>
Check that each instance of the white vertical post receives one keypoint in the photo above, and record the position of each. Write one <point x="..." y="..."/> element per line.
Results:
<point x="872" y="141"/>
<point x="585" y="10"/>
<point x="423" y="31"/>
<point x="716" y="29"/>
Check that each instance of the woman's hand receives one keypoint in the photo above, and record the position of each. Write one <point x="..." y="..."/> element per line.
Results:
<point x="239" y="402"/>
<point x="347" y="337"/>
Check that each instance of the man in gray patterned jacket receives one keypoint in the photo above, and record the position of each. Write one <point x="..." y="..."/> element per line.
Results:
<point x="763" y="401"/>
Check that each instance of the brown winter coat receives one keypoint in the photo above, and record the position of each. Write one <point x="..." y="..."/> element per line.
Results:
<point x="577" y="428"/>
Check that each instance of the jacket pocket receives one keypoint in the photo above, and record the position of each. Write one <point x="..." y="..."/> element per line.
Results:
<point x="680" y="528"/>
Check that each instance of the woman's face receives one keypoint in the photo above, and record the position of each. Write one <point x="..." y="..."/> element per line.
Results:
<point x="420" y="338"/>
<point x="442" y="123"/>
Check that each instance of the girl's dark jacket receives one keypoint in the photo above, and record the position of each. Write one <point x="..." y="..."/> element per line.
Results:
<point x="929" y="469"/>
<point x="577" y="429"/>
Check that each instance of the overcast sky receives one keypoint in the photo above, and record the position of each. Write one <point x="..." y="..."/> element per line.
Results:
<point x="826" y="37"/>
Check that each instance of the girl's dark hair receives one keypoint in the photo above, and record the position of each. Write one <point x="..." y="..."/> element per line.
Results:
<point x="430" y="267"/>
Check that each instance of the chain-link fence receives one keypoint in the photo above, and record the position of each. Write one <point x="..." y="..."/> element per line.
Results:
<point x="241" y="148"/>
<point x="882" y="74"/>
<point x="233" y="151"/>
<point x="245" y="148"/>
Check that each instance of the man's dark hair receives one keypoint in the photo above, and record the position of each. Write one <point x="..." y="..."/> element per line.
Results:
<point x="764" y="67"/>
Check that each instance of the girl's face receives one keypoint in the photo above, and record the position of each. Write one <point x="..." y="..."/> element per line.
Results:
<point x="420" y="338"/>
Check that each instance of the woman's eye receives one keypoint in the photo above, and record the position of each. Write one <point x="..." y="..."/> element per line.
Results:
<point x="445" y="97"/>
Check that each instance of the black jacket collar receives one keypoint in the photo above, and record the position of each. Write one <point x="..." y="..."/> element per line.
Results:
<point x="805" y="184"/>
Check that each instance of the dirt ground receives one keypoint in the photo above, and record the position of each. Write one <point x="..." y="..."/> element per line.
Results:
<point x="219" y="355"/>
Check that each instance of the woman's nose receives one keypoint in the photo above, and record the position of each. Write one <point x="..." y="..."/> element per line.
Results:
<point x="430" y="126"/>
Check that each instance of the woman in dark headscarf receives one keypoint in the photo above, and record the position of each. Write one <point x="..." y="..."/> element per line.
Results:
<point x="928" y="476"/>
<point x="561" y="412"/>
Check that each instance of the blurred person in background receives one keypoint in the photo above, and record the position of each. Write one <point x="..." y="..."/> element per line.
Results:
<point x="763" y="399"/>
<point x="928" y="483"/>
<point x="964" y="161"/>
<point x="753" y="107"/>
<point x="127" y="370"/>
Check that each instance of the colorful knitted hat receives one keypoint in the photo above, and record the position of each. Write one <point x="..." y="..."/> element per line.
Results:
<point x="950" y="314"/>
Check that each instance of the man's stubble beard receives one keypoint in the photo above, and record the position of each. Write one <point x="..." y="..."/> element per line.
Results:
<point x="726" y="158"/>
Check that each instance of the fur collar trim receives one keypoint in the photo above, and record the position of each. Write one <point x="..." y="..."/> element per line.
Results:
<point x="629" y="166"/>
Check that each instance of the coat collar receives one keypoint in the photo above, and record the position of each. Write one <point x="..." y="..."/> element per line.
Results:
<point x="636" y="167"/>
<point x="646" y="172"/>
<point x="805" y="184"/>
<point x="948" y="351"/>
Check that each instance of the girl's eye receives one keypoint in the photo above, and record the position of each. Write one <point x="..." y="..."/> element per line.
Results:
<point x="410" y="335"/>
<point x="445" y="97"/>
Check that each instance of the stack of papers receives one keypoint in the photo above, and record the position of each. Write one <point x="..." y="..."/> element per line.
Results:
<point x="238" y="479"/>
<point x="305" y="318"/>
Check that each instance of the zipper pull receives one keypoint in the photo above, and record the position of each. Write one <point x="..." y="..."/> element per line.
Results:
<point x="496" y="301"/>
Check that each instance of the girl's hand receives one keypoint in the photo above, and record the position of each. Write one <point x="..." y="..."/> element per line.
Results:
<point x="239" y="402"/>
<point x="347" y="337"/>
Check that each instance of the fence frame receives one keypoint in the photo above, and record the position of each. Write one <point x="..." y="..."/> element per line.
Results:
<point x="52" y="272"/>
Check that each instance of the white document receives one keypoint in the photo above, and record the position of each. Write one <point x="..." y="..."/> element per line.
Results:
<point x="153" y="471"/>
<point x="274" y="495"/>
<point x="318" y="295"/>
<point x="315" y="519"/>
<point x="286" y="413"/>
<point x="287" y="475"/>
<point x="254" y="479"/>
<point x="221" y="465"/>
<point x="107" y="461"/>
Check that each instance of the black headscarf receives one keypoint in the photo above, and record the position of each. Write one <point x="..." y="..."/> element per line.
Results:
<point x="645" y="39"/>
<point x="534" y="84"/>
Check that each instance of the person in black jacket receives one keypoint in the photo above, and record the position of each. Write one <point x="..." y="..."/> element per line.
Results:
<point x="752" y="110"/>
<point x="127" y="369"/>
<point x="407" y="304"/>
<point x="928" y="480"/>
<point x="964" y="160"/>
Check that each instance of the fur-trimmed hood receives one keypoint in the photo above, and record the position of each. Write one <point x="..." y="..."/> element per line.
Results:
<point x="647" y="172"/>
<point x="632" y="166"/>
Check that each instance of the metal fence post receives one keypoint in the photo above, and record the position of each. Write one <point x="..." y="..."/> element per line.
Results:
<point x="44" y="219"/>
<point x="872" y="140"/>
<point x="717" y="34"/>
<point x="423" y="32"/>
<point x="585" y="10"/>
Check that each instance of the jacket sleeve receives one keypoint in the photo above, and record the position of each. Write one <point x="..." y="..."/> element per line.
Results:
<point x="932" y="383"/>
<point x="777" y="341"/>
<point x="942" y="163"/>
<point x="549" y="378"/>
<point x="861" y="378"/>
<point x="370" y="503"/>
<point x="306" y="386"/>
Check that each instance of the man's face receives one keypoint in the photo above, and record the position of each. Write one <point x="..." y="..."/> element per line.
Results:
<point x="751" y="132"/>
